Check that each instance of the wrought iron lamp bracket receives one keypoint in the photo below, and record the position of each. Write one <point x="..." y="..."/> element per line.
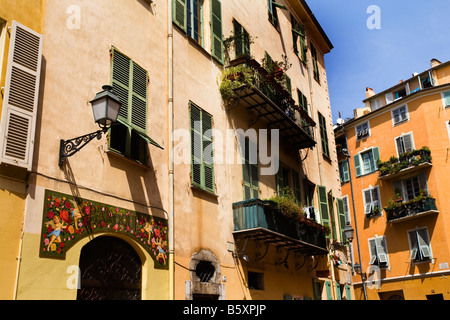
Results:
<point x="68" y="148"/>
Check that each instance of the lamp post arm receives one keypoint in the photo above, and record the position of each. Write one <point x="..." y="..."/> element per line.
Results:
<point x="68" y="148"/>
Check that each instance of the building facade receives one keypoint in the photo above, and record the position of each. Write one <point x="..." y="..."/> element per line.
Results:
<point x="393" y="159"/>
<point x="219" y="179"/>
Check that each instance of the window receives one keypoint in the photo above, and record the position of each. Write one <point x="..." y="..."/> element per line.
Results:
<point x="343" y="171"/>
<point x="400" y="115"/>
<point x="250" y="170"/>
<point x="296" y="185"/>
<point x="366" y="161"/>
<point x="273" y="15"/>
<point x="404" y="143"/>
<point x="202" y="163"/>
<point x="216" y="30"/>
<point x="378" y="252"/>
<point x="400" y="93"/>
<point x="241" y="40"/>
<point x="130" y="83"/>
<point x="302" y="101"/>
<point x="342" y="219"/>
<point x="308" y="192"/>
<point x="346" y="209"/>
<point x="375" y="104"/>
<point x="282" y="179"/>
<point x="362" y="131"/>
<point x="446" y="99"/>
<point x="323" y="207"/>
<point x="255" y="280"/>
<point x="298" y="32"/>
<point x="410" y="188"/>
<point x="315" y="63"/>
<point x="372" y="203"/>
<point x="419" y="245"/>
<point x="194" y="23"/>
<point x="324" y="135"/>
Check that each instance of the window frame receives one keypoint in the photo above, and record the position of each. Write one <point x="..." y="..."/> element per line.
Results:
<point x="380" y="243"/>
<point x="190" y="18"/>
<point x="247" y="165"/>
<point x="445" y="95"/>
<point x="375" y="104"/>
<point x="244" y="40"/>
<point x="394" y="123"/>
<point x="3" y="28"/>
<point x="402" y="184"/>
<point x="344" y="173"/>
<point x="359" y="164"/>
<point x="378" y="204"/>
<point x="420" y="256"/>
<point x="358" y="129"/>
<point x="403" y="143"/>
<point x="315" y="62"/>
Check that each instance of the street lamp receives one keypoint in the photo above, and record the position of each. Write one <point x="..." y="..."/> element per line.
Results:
<point x="349" y="233"/>
<point x="105" y="106"/>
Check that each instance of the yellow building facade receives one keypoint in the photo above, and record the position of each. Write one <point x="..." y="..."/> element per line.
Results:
<point x="398" y="150"/>
<point x="14" y="15"/>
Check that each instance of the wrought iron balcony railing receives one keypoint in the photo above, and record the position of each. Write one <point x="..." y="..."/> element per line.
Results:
<point x="406" y="163"/>
<point x="411" y="209"/>
<point x="264" y="94"/>
<point x="261" y="220"/>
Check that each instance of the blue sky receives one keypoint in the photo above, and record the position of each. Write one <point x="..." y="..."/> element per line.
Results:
<point x="411" y="34"/>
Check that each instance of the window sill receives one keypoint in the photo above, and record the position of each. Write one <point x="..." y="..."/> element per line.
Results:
<point x="400" y="122"/>
<point x="199" y="189"/>
<point x="120" y="156"/>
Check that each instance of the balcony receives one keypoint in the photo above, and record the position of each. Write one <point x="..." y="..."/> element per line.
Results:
<point x="247" y="83"/>
<point x="407" y="163"/>
<point x="398" y="212"/>
<point x="261" y="221"/>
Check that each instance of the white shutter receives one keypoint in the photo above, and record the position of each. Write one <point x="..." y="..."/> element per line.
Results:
<point x="373" y="251"/>
<point x="389" y="98"/>
<point x="21" y="93"/>
<point x="381" y="250"/>
<point x="422" y="236"/>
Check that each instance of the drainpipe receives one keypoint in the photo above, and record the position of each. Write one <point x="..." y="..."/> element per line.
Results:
<point x="171" y="155"/>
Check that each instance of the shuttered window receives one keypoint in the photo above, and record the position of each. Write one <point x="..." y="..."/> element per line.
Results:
<point x="410" y="188"/>
<point x="446" y="99"/>
<point x="298" y="38"/>
<point x="216" y="30"/>
<point x="342" y="218"/>
<point x="324" y="135"/>
<point x="241" y="40"/>
<point x="323" y="207"/>
<point x="194" y="23"/>
<point x="400" y="115"/>
<point x="378" y="251"/>
<point x="372" y="203"/>
<point x="315" y="63"/>
<point x="366" y="162"/>
<point x="250" y="170"/>
<point x="419" y="244"/>
<point x="20" y="100"/>
<point x="344" y="172"/>
<point x="130" y="84"/>
<point x="404" y="143"/>
<point x="202" y="155"/>
<point x="296" y="185"/>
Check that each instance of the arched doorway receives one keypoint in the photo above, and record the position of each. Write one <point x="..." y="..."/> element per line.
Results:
<point x="110" y="270"/>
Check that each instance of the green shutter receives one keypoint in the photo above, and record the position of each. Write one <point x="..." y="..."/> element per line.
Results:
<point x="202" y="163"/>
<point x="139" y="97"/>
<point x="120" y="81"/>
<point x="216" y="30"/>
<point x="348" y="291"/>
<point x="316" y="289"/>
<point x="323" y="206"/>
<point x="338" y="291"/>
<point x="296" y="184"/>
<point x="179" y="13"/>
<point x="341" y="217"/>
<point x="328" y="288"/>
<point x="376" y="156"/>
<point x="324" y="135"/>
<point x="358" y="171"/>
<point x="288" y="85"/>
<point x="294" y="24"/>
<point x="250" y="174"/>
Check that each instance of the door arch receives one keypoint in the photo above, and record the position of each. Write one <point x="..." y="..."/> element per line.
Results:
<point x="110" y="269"/>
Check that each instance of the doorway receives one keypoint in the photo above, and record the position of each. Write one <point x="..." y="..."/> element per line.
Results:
<point x="110" y="269"/>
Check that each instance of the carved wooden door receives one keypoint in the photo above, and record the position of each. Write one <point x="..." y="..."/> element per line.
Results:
<point x="110" y="270"/>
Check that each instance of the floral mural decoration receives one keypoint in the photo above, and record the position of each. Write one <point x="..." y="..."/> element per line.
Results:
<point x="67" y="220"/>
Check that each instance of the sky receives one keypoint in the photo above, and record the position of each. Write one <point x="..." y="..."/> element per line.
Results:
<point x="407" y="35"/>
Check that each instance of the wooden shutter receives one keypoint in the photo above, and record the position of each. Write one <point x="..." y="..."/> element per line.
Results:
<point x="216" y="30"/>
<point x="238" y="37"/>
<point x="196" y="145"/>
<point x="373" y="251"/>
<point x="342" y="219"/>
<point x="414" y="246"/>
<point x="179" y="13"/>
<point x="381" y="250"/>
<point x="376" y="157"/>
<point x="408" y="142"/>
<point x="348" y="291"/>
<point x="423" y="241"/>
<point x="323" y="206"/>
<point x="358" y="171"/>
<point x="250" y="173"/>
<point x="295" y="35"/>
<point x="139" y="97"/>
<point x="338" y="291"/>
<point x="208" y="152"/>
<point x="389" y="98"/>
<point x="20" y="101"/>
<point x="328" y="288"/>
<point x="120" y="80"/>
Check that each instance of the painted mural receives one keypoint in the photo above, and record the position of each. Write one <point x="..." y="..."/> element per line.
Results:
<point x="67" y="219"/>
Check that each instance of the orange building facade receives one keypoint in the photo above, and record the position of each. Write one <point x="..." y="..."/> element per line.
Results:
<point x="394" y="158"/>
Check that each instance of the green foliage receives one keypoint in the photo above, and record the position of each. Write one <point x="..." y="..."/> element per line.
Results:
<point x="233" y="78"/>
<point x="413" y="158"/>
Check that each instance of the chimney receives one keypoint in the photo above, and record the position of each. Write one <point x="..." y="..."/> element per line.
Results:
<point x="369" y="92"/>
<point x="435" y="63"/>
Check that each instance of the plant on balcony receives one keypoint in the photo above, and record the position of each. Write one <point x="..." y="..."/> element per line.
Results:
<point x="286" y="205"/>
<point x="406" y="160"/>
<point x="396" y="209"/>
<point x="233" y="78"/>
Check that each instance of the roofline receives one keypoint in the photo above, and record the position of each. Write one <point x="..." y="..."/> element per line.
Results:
<point x="404" y="82"/>
<point x="317" y="24"/>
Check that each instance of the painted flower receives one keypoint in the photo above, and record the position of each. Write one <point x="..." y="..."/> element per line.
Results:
<point x="116" y="227"/>
<point x="50" y="214"/>
<point x="53" y="247"/>
<point x="157" y="233"/>
<point x="46" y="241"/>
